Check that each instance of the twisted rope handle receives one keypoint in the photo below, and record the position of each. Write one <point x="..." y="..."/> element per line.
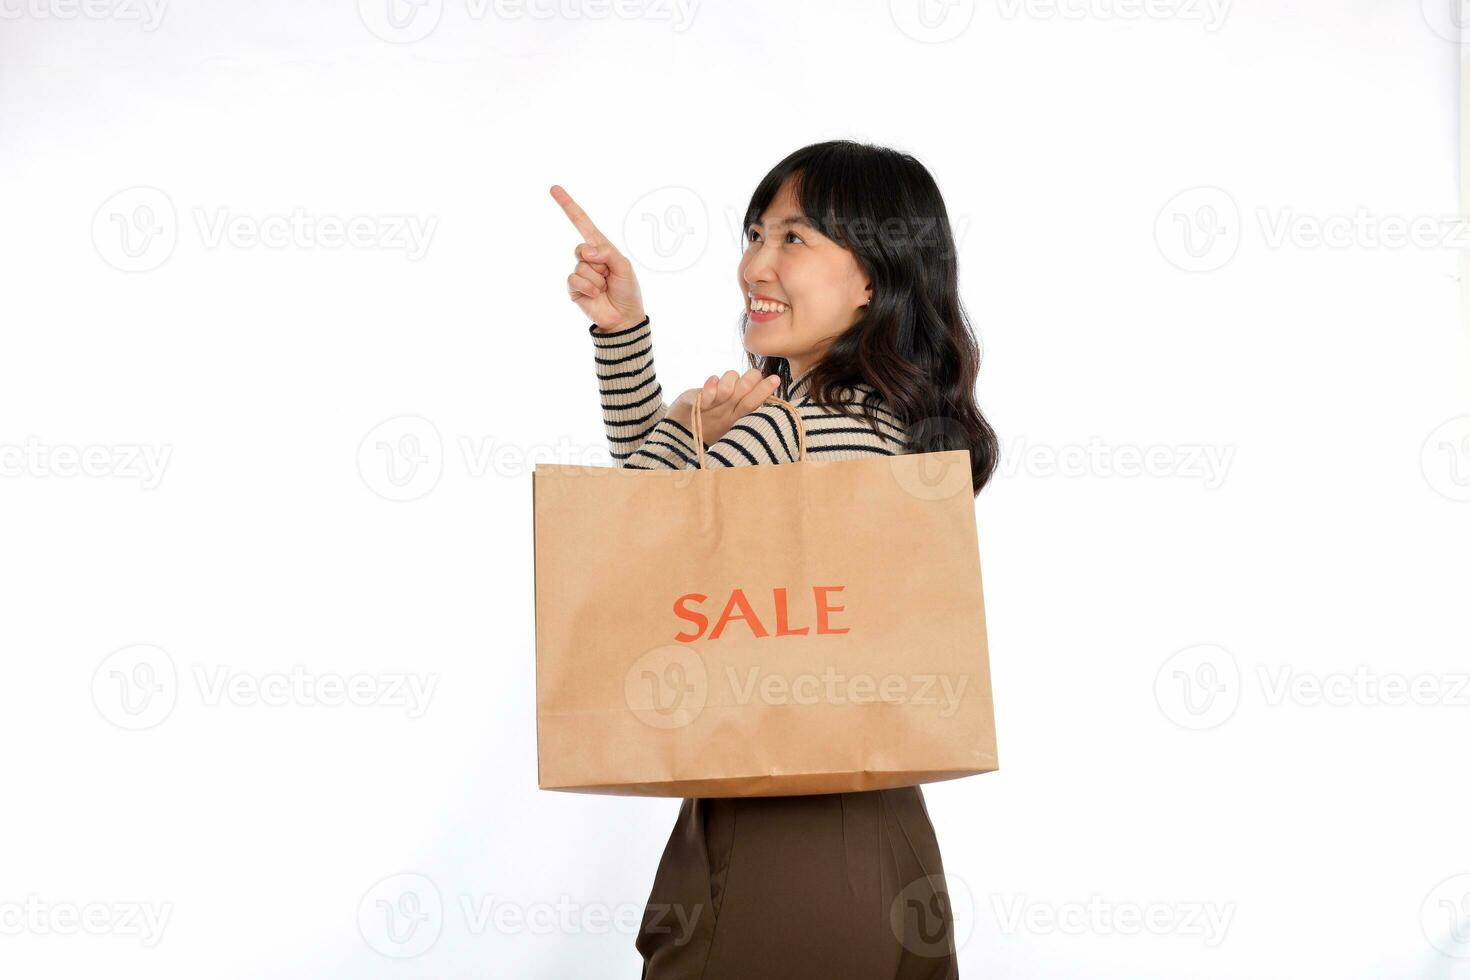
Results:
<point x="800" y="429"/>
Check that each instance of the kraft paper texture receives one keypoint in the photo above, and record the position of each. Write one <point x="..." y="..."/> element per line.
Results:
<point x="635" y="696"/>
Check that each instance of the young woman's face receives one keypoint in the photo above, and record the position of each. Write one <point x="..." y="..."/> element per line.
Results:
<point x="821" y="284"/>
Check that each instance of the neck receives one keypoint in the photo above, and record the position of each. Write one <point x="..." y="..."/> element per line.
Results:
<point x="799" y="366"/>
<point x="799" y="370"/>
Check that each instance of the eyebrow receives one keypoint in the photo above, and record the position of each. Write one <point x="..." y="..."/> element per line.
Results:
<point x="788" y="222"/>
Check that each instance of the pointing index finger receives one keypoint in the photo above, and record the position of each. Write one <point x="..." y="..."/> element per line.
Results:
<point x="578" y="217"/>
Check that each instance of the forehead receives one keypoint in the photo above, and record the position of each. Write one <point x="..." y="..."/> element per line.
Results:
<point x="784" y="221"/>
<point x="784" y="210"/>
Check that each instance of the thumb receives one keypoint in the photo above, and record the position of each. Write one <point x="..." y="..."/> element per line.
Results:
<point x="607" y="253"/>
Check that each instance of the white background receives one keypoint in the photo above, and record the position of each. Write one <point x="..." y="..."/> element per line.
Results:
<point x="1329" y="381"/>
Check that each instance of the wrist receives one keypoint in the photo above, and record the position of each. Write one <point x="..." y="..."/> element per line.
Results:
<point x="618" y="326"/>
<point x="682" y="413"/>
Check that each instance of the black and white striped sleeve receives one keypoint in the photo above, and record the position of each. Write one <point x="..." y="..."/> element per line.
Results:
<point x="761" y="438"/>
<point x="632" y="399"/>
<point x="642" y="435"/>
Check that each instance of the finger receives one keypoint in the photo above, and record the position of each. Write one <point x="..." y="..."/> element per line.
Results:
<point x="591" y="274"/>
<point x="735" y="393"/>
<point x="605" y="258"/>
<point x="758" y="393"/>
<point x="708" y="396"/>
<point x="581" y="252"/>
<point x="578" y="217"/>
<point x="577" y="286"/>
<point x="597" y="250"/>
<point x="747" y="381"/>
<point x="607" y="253"/>
<point x="727" y="386"/>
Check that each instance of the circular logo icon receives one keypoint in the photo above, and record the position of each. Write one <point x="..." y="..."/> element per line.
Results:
<point x="933" y="915"/>
<point x="1198" y="687"/>
<point x="1445" y="459"/>
<point x="400" y="21"/>
<point x="401" y="916"/>
<point x="1198" y="230"/>
<point x="923" y="476"/>
<point x="1447" y="18"/>
<point x="932" y="21"/>
<point x="667" y="687"/>
<point x="1445" y="916"/>
<point x="136" y="687"/>
<point x="402" y="458"/>
<point x="136" y="229"/>
<point x="667" y="229"/>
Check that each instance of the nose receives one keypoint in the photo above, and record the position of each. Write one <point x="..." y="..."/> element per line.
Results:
<point x="756" y="275"/>
<point x="756" y="266"/>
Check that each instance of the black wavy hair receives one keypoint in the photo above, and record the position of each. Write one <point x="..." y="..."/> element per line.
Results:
<point x="913" y="341"/>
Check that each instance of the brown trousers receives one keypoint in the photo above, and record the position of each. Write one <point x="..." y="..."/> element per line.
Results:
<point x="841" y="885"/>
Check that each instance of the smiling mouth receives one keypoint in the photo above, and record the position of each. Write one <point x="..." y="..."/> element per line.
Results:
<point x="765" y="315"/>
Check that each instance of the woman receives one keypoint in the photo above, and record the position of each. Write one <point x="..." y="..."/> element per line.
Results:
<point x="851" y="314"/>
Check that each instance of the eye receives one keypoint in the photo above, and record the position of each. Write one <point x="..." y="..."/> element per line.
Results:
<point x="751" y="235"/>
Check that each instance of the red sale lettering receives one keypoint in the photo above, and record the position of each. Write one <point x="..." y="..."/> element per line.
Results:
<point x="781" y="629"/>
<point x="739" y="609"/>
<point x="697" y="618"/>
<point x="820" y="591"/>
<point x="737" y="598"/>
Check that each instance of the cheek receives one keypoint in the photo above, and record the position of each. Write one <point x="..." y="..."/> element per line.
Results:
<point x="825" y="282"/>
<point x="823" y="294"/>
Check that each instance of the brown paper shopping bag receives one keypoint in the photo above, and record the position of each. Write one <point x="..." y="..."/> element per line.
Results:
<point x="813" y="627"/>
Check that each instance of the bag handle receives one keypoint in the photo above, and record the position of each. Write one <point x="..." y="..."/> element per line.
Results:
<point x="800" y="429"/>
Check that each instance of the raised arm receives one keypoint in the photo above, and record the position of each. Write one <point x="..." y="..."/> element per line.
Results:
<point x="632" y="398"/>
<point x="642" y="431"/>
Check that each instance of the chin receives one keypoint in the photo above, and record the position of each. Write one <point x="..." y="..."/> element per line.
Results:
<point x="754" y="344"/>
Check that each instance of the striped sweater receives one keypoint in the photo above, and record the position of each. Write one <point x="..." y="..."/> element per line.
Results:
<point x="642" y="435"/>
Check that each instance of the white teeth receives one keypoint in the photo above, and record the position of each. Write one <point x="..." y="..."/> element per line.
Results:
<point x="766" y="306"/>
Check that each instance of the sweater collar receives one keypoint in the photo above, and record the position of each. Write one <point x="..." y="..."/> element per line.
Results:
<point x="797" y="387"/>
